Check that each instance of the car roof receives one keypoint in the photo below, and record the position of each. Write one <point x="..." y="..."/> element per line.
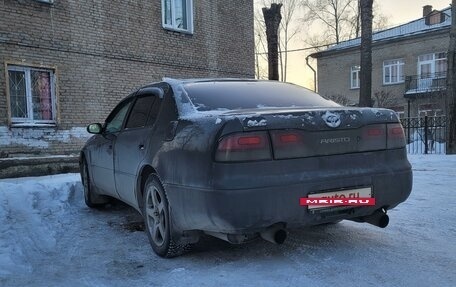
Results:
<point x="202" y="80"/>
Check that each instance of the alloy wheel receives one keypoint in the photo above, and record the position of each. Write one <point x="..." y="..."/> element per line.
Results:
<point x="155" y="215"/>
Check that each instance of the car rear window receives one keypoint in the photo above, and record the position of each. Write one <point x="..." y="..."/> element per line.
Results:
<point x="207" y="96"/>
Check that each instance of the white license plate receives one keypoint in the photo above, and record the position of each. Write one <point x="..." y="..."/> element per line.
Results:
<point x="346" y="193"/>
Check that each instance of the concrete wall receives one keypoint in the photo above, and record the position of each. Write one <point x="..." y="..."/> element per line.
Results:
<point x="334" y="69"/>
<point x="103" y="50"/>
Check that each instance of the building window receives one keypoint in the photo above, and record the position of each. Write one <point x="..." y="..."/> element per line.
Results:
<point x="31" y="95"/>
<point x="432" y="70"/>
<point x="178" y="15"/>
<point x="393" y="72"/>
<point x="354" y="77"/>
<point x="432" y="65"/>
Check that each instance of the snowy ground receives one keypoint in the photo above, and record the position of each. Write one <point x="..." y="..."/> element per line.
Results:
<point x="48" y="237"/>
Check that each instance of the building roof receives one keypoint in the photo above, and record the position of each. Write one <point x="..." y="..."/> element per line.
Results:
<point x="413" y="28"/>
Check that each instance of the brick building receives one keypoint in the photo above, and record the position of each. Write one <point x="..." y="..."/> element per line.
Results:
<point x="409" y="66"/>
<point x="66" y="63"/>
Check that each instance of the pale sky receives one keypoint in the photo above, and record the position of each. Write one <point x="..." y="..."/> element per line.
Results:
<point x="398" y="12"/>
<point x="402" y="11"/>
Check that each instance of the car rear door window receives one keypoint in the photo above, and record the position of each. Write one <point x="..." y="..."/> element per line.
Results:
<point x="154" y="112"/>
<point x="140" y="112"/>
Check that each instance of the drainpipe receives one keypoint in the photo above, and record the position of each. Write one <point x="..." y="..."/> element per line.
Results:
<point x="314" y="72"/>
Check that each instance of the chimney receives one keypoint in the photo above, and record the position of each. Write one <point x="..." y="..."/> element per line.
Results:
<point x="427" y="10"/>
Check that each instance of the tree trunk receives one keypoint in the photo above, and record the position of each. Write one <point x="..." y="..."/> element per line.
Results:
<point x="365" y="74"/>
<point x="451" y="91"/>
<point x="285" y="64"/>
<point x="272" y="18"/>
<point x="358" y="20"/>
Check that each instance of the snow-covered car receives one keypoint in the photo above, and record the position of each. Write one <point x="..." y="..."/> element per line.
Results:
<point x="234" y="158"/>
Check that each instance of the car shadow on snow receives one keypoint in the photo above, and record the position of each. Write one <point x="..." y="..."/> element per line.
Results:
<point x="317" y="239"/>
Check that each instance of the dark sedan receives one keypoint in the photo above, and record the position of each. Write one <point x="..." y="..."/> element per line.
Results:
<point x="238" y="159"/>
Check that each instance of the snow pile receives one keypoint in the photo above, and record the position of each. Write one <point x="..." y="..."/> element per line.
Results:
<point x="48" y="237"/>
<point x="24" y="206"/>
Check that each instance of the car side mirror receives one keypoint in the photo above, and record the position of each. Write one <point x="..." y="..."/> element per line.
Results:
<point x="94" y="128"/>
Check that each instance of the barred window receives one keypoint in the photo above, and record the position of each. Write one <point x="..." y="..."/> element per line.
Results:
<point x="31" y="95"/>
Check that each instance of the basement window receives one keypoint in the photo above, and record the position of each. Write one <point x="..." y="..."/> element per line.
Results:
<point x="177" y="15"/>
<point x="31" y="96"/>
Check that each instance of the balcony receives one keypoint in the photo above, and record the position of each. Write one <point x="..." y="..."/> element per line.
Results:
<point x="425" y="83"/>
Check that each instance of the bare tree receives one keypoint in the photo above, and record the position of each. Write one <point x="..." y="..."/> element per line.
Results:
<point x="340" y="99"/>
<point x="272" y="18"/>
<point x="288" y="30"/>
<point x="379" y="21"/>
<point x="365" y="74"/>
<point x="333" y="14"/>
<point x="260" y="47"/>
<point x="340" y="19"/>
<point x="384" y="99"/>
<point x="451" y="96"/>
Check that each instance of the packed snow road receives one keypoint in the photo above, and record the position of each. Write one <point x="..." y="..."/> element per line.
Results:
<point x="48" y="237"/>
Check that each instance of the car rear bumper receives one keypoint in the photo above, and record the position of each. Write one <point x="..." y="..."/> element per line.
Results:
<point x="240" y="211"/>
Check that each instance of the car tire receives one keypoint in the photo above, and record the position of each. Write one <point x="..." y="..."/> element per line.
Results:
<point x="157" y="220"/>
<point x="91" y="199"/>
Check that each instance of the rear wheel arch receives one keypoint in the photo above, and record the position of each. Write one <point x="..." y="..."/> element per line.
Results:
<point x="143" y="176"/>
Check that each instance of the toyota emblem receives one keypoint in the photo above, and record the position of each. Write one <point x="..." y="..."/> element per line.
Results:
<point x="332" y="120"/>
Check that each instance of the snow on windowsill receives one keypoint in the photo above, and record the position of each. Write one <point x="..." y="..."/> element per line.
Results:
<point x="33" y="125"/>
<point x="38" y="157"/>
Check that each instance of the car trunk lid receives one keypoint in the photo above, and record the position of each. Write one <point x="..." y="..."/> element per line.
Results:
<point x="298" y="133"/>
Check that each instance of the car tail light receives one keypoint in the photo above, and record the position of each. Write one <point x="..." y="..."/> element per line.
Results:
<point x="396" y="136"/>
<point x="289" y="138"/>
<point x="376" y="132"/>
<point x="373" y="137"/>
<point x="289" y="144"/>
<point x="244" y="147"/>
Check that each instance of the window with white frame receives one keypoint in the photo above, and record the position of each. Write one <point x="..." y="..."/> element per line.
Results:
<point x="393" y="72"/>
<point x="178" y="15"/>
<point x="354" y="77"/>
<point x="31" y="95"/>
<point x="432" y="65"/>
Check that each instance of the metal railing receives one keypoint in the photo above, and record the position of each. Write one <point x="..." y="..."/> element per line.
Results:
<point x="425" y="135"/>
<point x="425" y="83"/>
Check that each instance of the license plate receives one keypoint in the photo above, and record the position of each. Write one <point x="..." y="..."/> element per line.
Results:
<point x="364" y="192"/>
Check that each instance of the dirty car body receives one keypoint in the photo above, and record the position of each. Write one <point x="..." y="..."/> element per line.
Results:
<point x="235" y="156"/>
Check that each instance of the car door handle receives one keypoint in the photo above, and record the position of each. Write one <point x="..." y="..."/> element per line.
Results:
<point x="141" y="147"/>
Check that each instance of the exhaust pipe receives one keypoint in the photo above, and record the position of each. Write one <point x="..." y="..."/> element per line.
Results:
<point x="275" y="235"/>
<point x="379" y="218"/>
